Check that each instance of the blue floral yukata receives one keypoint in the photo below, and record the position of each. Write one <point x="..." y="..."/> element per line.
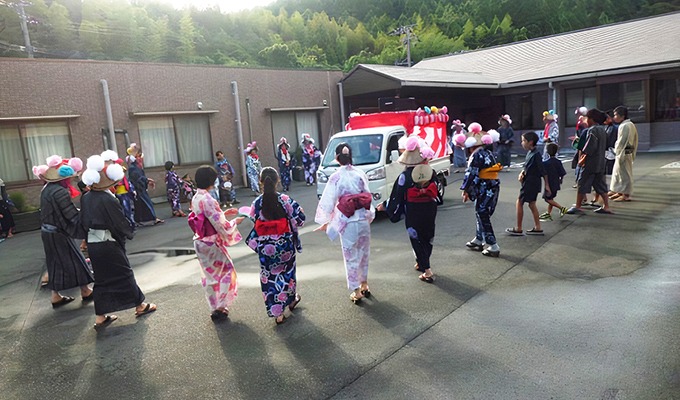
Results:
<point x="484" y="192"/>
<point x="276" y="252"/>
<point x="253" y="168"/>
<point x="173" y="185"/>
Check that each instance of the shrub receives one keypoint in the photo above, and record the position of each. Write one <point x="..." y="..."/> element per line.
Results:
<point x="19" y="200"/>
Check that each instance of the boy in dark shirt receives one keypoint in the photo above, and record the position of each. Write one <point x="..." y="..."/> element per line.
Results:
<point x="530" y="177"/>
<point x="555" y="171"/>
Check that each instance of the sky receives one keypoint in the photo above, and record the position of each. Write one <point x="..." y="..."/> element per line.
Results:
<point x="226" y="6"/>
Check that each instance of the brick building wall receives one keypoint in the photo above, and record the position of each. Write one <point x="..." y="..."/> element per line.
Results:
<point x="43" y="87"/>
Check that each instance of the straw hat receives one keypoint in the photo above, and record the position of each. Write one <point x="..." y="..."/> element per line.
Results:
<point x="417" y="151"/>
<point x="422" y="173"/>
<point x="58" y="169"/>
<point x="102" y="171"/>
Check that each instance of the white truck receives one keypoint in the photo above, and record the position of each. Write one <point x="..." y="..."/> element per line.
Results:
<point x="375" y="150"/>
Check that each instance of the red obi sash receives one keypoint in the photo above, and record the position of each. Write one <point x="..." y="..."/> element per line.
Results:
<point x="422" y="195"/>
<point x="349" y="203"/>
<point x="270" y="228"/>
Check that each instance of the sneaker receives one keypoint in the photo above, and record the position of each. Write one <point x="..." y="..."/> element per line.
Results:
<point x="563" y="211"/>
<point x="546" y="217"/>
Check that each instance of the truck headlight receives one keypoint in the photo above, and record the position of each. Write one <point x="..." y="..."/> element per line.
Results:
<point x="321" y="177"/>
<point x="376" y="174"/>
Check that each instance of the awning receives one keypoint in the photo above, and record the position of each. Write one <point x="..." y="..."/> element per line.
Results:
<point x="160" y="113"/>
<point x="39" y="117"/>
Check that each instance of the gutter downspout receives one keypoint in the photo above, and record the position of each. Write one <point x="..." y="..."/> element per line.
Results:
<point x="109" y="117"/>
<point x="239" y="130"/>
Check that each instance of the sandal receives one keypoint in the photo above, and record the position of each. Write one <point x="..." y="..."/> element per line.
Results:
<point x="428" y="279"/>
<point x="109" y="319"/>
<point x="295" y="302"/>
<point x="150" y="307"/>
<point x="534" y="231"/>
<point x="282" y="320"/>
<point x="62" y="301"/>
<point x="219" y="315"/>
<point x="366" y="292"/>
<point x="158" y="221"/>
<point x="354" y="298"/>
<point x="514" y="232"/>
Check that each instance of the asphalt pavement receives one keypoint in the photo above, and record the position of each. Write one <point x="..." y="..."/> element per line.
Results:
<point x="590" y="310"/>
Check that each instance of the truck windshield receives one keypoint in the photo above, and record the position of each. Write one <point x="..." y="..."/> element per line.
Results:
<point x="366" y="149"/>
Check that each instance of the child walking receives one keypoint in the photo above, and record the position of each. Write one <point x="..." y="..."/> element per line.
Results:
<point x="530" y="177"/>
<point x="253" y="167"/>
<point x="173" y="185"/>
<point x="555" y="171"/>
<point x="481" y="185"/>
<point x="213" y="234"/>
<point x="275" y="239"/>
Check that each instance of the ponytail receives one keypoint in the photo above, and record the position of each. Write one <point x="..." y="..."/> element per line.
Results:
<point x="271" y="208"/>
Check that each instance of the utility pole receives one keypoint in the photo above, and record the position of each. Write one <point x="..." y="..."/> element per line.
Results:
<point x="24" y="29"/>
<point x="408" y="31"/>
<point x="19" y="8"/>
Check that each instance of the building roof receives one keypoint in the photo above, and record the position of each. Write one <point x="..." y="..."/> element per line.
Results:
<point x="637" y="45"/>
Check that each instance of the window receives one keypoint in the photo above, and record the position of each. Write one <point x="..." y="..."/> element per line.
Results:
<point x="366" y="149"/>
<point x="667" y="99"/>
<point x="180" y="139"/>
<point x="526" y="110"/>
<point x="629" y="94"/>
<point x="292" y="125"/>
<point x="577" y="98"/>
<point x="24" y="145"/>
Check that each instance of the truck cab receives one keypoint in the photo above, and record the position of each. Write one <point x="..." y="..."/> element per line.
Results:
<point x="375" y="151"/>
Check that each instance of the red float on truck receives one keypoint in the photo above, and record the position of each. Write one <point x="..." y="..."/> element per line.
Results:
<point x="375" y="138"/>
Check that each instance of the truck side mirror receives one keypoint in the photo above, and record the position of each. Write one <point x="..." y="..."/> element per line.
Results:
<point x="394" y="155"/>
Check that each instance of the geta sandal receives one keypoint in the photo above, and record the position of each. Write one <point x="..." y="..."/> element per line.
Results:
<point x="62" y="301"/>
<point x="295" y="302"/>
<point x="428" y="279"/>
<point x="354" y="298"/>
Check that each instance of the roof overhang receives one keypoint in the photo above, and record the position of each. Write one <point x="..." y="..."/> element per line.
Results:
<point x="166" y="113"/>
<point x="281" y="109"/>
<point x="593" y="74"/>
<point x="39" y="117"/>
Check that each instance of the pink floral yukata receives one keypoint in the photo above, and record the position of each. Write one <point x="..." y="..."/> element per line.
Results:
<point x="218" y="276"/>
<point x="355" y="231"/>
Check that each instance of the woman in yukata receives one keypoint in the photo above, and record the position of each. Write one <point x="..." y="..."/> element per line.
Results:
<point x="102" y="217"/>
<point x="253" y="167"/>
<point x="311" y="158"/>
<point x="66" y="265"/>
<point x="275" y="239"/>
<point x="283" y="155"/>
<point x="345" y="210"/>
<point x="144" y="210"/>
<point x="213" y="234"/>
<point x="415" y="196"/>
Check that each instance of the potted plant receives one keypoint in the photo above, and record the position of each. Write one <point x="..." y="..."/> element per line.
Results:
<point x="27" y="217"/>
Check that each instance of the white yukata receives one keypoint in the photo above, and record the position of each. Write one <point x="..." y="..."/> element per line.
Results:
<point x="355" y="231"/>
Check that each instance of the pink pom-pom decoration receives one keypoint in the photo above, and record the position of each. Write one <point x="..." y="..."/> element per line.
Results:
<point x="76" y="163"/>
<point x="475" y="127"/>
<point x="459" y="139"/>
<point x="444" y="110"/>
<point x="427" y="152"/>
<point x="486" y="139"/>
<point x="469" y="142"/>
<point x="53" y="161"/>
<point x="412" y="143"/>
<point x="40" y="170"/>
